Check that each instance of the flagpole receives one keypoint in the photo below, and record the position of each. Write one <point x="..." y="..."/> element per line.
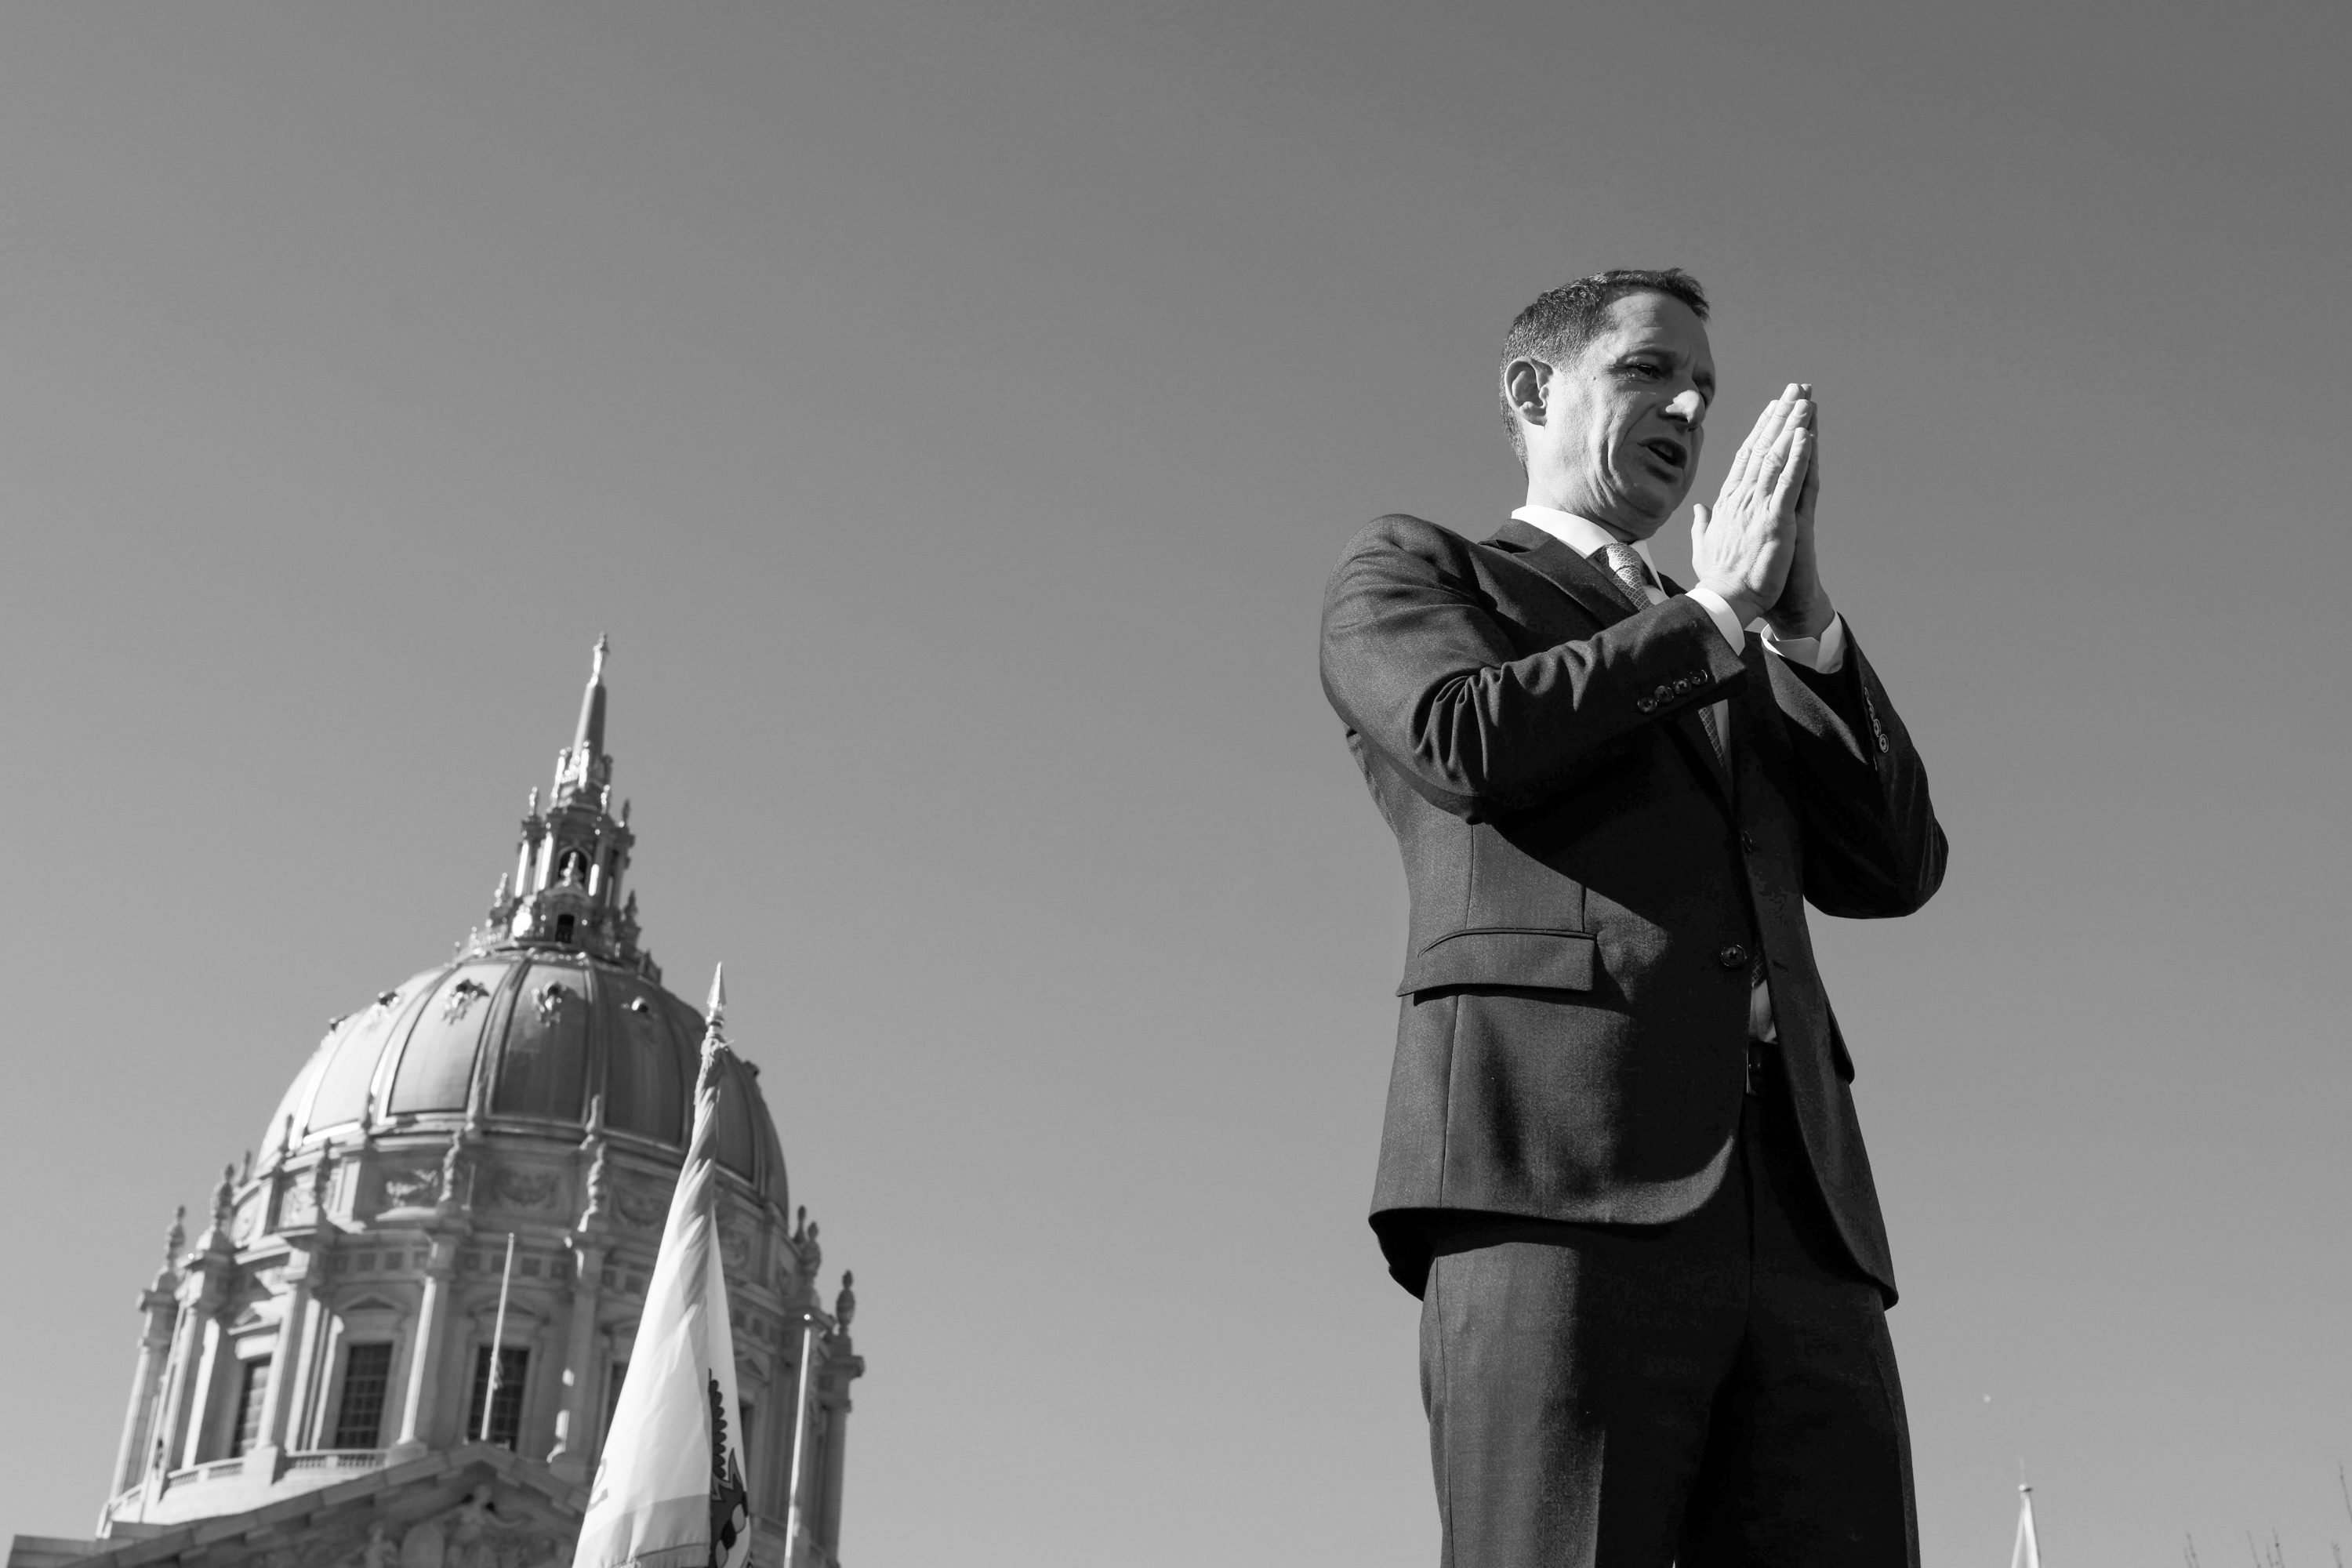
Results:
<point x="497" y="1343"/>
<point x="799" y="1440"/>
<point x="669" y="1490"/>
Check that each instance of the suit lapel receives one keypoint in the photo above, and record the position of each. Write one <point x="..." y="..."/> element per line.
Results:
<point x="1564" y="569"/>
<point x="1598" y="594"/>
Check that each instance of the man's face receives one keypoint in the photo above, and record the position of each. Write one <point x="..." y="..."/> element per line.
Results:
<point x="1619" y="439"/>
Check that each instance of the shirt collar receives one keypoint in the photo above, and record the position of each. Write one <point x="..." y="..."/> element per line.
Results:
<point x="1581" y="534"/>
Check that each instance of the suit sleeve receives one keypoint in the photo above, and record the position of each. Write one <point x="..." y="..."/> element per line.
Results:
<point x="1416" y="661"/>
<point x="1872" y="846"/>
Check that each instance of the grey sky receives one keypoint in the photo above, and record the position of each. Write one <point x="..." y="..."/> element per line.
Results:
<point x="951" y="411"/>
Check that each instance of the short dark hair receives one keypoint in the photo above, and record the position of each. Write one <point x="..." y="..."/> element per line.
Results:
<point x="1556" y="328"/>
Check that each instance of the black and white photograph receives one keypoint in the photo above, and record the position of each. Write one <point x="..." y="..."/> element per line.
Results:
<point x="1049" y="784"/>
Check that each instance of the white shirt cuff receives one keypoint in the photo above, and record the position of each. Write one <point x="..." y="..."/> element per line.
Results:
<point x="1718" y="609"/>
<point x="1823" y="655"/>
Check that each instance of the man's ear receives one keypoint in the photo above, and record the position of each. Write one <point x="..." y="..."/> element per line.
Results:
<point x="1526" y="382"/>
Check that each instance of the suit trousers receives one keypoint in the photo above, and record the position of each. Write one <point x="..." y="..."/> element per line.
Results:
<point x="1718" y="1391"/>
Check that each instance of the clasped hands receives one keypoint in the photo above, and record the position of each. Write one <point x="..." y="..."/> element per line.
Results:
<point x="1754" y="545"/>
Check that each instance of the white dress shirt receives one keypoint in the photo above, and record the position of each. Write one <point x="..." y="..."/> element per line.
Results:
<point x="1824" y="654"/>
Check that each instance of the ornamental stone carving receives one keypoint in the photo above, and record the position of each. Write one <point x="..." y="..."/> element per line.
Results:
<point x="600" y="1185"/>
<point x="410" y="1186"/>
<point x="461" y="999"/>
<point x="640" y="1204"/>
<point x="474" y="1534"/>
<point x="524" y="1189"/>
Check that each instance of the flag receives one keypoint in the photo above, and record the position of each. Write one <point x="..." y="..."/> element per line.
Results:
<point x="2028" y="1553"/>
<point x="669" y="1488"/>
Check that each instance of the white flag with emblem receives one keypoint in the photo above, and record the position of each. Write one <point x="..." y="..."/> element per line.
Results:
<point x="669" y="1488"/>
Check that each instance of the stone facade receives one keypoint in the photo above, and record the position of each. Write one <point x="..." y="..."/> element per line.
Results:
<point x="479" y="1159"/>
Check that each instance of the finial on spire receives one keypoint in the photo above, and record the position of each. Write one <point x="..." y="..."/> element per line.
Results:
<point x="177" y="1237"/>
<point x="715" y="1009"/>
<point x="588" y="742"/>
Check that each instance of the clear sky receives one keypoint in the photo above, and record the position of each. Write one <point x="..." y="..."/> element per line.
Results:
<point x="951" y="410"/>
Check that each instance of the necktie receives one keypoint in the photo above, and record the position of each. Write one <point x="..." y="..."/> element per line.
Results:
<point x="1628" y="568"/>
<point x="1633" y="581"/>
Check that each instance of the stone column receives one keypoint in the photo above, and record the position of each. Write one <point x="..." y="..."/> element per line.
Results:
<point x="302" y="1368"/>
<point x="570" y="1458"/>
<point x="162" y="1309"/>
<point x="427" y="1347"/>
<point x="203" y="1287"/>
<point x="840" y="1367"/>
<point x="214" y="1365"/>
<point x="293" y="1320"/>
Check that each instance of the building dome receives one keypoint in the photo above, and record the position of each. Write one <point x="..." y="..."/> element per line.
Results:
<point x="536" y="1038"/>
<point x="437" y="1264"/>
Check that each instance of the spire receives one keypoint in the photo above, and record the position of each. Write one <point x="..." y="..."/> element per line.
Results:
<point x="715" y="1010"/>
<point x="588" y="740"/>
<point x="2028" y="1550"/>
<point x="574" y="854"/>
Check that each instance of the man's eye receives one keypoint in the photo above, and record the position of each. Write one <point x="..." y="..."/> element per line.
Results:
<point x="1647" y="367"/>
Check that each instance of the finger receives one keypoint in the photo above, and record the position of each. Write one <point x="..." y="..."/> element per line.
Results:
<point x="1792" y="473"/>
<point x="1769" y="425"/>
<point x="1775" y="458"/>
<point x="1791" y="413"/>
<point x="1743" y="461"/>
<point x="1811" y="494"/>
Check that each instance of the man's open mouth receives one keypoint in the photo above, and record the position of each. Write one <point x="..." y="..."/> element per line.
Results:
<point x="1669" y="452"/>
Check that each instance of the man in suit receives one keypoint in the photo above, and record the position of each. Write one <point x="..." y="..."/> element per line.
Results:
<point x="1621" y="1165"/>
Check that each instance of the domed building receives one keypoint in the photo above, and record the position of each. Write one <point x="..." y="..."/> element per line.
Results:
<point x="400" y="1335"/>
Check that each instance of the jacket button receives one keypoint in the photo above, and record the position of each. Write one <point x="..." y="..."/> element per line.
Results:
<point x="1732" y="956"/>
<point x="1646" y="703"/>
<point x="1883" y="743"/>
<point x="1748" y="841"/>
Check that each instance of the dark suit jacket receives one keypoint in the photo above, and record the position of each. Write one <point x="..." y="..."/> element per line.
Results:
<point x="1591" y="890"/>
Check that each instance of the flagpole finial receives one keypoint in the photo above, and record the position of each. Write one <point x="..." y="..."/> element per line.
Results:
<point x="714" y="1033"/>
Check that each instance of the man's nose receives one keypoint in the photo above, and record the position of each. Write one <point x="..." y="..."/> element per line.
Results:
<point x="1687" y="408"/>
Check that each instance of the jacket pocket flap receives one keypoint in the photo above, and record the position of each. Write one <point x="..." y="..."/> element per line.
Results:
<point x="1503" y="955"/>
